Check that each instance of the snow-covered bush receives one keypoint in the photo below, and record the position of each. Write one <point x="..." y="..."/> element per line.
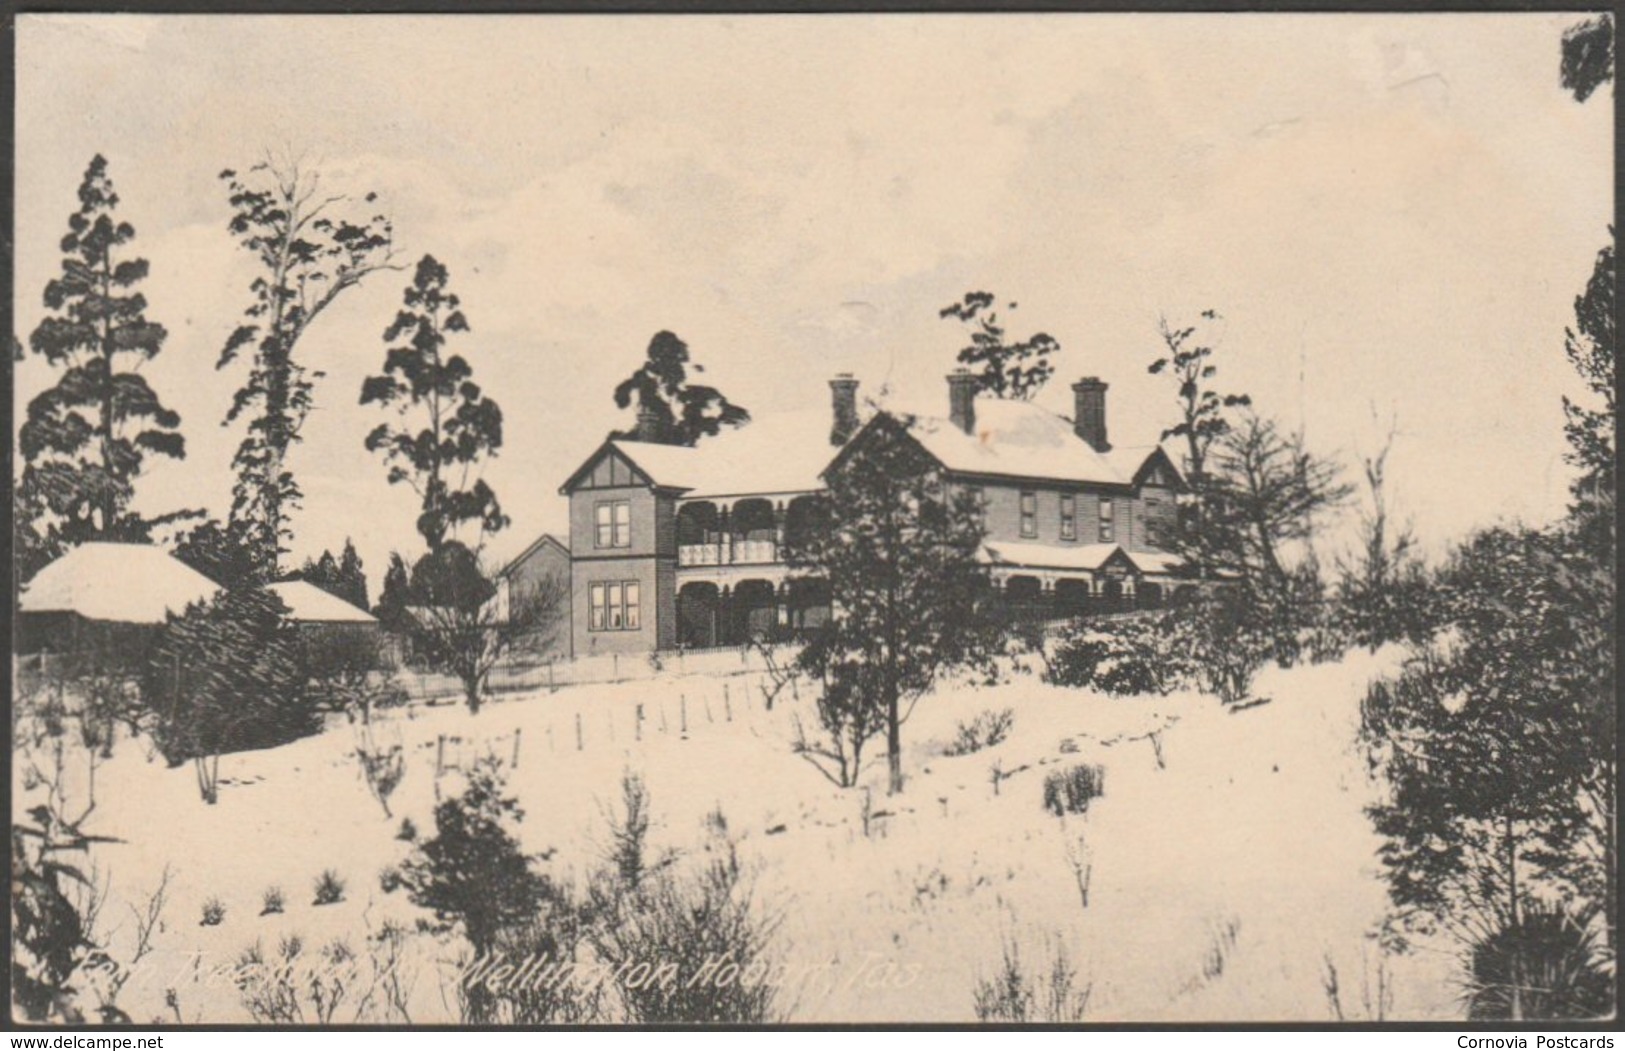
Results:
<point x="986" y="730"/>
<point x="1070" y="791"/>
<point x="1125" y="656"/>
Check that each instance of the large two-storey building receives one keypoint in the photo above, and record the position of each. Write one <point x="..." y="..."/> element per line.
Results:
<point x="683" y="546"/>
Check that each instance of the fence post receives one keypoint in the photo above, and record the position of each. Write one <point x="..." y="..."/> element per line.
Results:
<point x="727" y="704"/>
<point x="663" y="728"/>
<point x="682" y="701"/>
<point x="708" y="717"/>
<point x="550" y="687"/>
<point x="637" y="724"/>
<point x="580" y="744"/>
<point x="614" y="665"/>
<point x="517" y="731"/>
<point x="439" y="755"/>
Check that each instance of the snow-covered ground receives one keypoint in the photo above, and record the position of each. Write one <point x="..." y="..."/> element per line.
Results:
<point x="1220" y="883"/>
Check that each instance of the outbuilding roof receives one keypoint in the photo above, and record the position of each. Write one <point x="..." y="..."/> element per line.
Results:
<point x="122" y="583"/>
<point x="309" y="604"/>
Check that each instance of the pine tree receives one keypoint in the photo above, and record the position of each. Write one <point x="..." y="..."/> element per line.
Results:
<point x="461" y="426"/>
<point x="900" y="549"/>
<point x="85" y="440"/>
<point x="681" y="412"/>
<point x="307" y="259"/>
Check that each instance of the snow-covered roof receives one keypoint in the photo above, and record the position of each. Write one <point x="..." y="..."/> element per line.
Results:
<point x="1017" y="439"/>
<point x="308" y="603"/>
<point x="125" y="583"/>
<point x="778" y="453"/>
<point x="1051" y="556"/>
<point x="1075" y="556"/>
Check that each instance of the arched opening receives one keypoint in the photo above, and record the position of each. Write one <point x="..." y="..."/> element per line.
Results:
<point x="808" y="602"/>
<point x="698" y="615"/>
<point x="1025" y="596"/>
<point x="1072" y="597"/>
<point x="1112" y="599"/>
<point x="753" y="519"/>
<point x="1149" y="595"/>
<point x="801" y="521"/>
<point x="697" y="523"/>
<point x="754" y="612"/>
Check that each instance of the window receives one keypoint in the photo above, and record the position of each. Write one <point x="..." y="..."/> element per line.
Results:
<point x="614" y="521"/>
<point x="1029" y="514"/>
<point x="1069" y="517"/>
<point x="1107" y="525"/>
<point x="614" y="606"/>
<point x="1153" y="524"/>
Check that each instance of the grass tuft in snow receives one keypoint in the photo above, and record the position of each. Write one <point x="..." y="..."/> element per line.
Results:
<point x="329" y="888"/>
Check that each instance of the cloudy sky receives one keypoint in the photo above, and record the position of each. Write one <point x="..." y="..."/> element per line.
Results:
<point x="1393" y="213"/>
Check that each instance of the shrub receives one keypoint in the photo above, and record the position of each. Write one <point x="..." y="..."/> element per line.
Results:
<point x="688" y="918"/>
<point x="1015" y="995"/>
<point x="382" y="768"/>
<point x="408" y="832"/>
<point x="1550" y="964"/>
<point x="225" y="677"/>
<point x="214" y="911"/>
<point x="986" y="730"/>
<point x="472" y="872"/>
<point x="329" y="888"/>
<point x="389" y="879"/>
<point x="1127" y="656"/>
<point x="271" y="901"/>
<point x="1070" y="791"/>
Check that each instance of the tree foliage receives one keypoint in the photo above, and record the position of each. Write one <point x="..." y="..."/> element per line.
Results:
<point x="85" y="440"/>
<point x="1588" y="55"/>
<point x="1003" y="368"/>
<point x="343" y="577"/>
<point x="464" y="621"/>
<point x="899" y="547"/>
<point x="1383" y="594"/>
<point x="226" y="676"/>
<point x="683" y="412"/>
<point x="460" y="426"/>
<point x="1487" y="740"/>
<point x="307" y="256"/>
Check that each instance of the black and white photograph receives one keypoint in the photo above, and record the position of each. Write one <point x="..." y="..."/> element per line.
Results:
<point x="813" y="519"/>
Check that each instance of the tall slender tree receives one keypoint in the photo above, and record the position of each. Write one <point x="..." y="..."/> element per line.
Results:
<point x="85" y="440"/>
<point x="1187" y="358"/>
<point x="460" y="427"/>
<point x="307" y="257"/>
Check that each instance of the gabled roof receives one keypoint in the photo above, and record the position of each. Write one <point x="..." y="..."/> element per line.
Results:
<point x="545" y="540"/>
<point x="124" y="583"/>
<point x="782" y="453"/>
<point x="1052" y="556"/>
<point x="308" y="603"/>
<point x="1029" y="555"/>
<point x="1016" y="439"/>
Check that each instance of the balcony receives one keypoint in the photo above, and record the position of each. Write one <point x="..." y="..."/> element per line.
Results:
<point x="729" y="552"/>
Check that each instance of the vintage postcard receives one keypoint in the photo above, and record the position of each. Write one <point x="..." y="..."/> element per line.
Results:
<point x="848" y="518"/>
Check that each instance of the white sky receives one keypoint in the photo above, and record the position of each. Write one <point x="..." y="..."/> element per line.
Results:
<point x="1393" y="212"/>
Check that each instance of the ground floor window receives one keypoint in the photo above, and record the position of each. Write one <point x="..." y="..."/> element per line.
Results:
<point x="614" y="606"/>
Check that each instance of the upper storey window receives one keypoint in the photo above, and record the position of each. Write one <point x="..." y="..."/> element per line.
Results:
<point x="1108" y="524"/>
<point x="614" y="523"/>
<point x="1029" y="514"/>
<point x="1069" y="517"/>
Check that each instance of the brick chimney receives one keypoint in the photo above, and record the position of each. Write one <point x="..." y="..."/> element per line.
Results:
<point x="1089" y="412"/>
<point x="648" y="424"/>
<point x="962" y="400"/>
<point x="843" y="392"/>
